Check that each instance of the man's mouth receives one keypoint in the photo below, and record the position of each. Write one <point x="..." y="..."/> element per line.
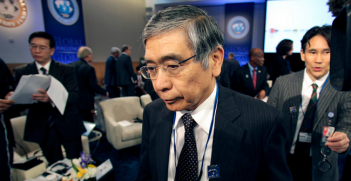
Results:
<point x="317" y="69"/>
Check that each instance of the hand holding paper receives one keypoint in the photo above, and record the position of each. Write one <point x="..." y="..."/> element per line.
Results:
<point x="42" y="97"/>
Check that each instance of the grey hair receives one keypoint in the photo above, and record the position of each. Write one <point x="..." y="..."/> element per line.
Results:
<point x="202" y="32"/>
<point x="115" y="49"/>
<point x="84" y="51"/>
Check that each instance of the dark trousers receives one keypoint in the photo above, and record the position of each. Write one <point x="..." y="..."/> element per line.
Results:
<point x="5" y="154"/>
<point x="86" y="115"/>
<point x="128" y="90"/>
<point x="51" y="146"/>
<point x="113" y="91"/>
<point x="300" y="167"/>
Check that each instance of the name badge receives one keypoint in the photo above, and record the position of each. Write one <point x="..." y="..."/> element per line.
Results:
<point x="213" y="171"/>
<point x="327" y="132"/>
<point x="305" y="137"/>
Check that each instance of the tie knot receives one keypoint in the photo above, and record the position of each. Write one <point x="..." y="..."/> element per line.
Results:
<point x="315" y="86"/>
<point x="188" y="121"/>
<point x="43" y="70"/>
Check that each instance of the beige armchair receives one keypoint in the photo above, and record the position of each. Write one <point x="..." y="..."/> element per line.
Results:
<point x="145" y="99"/>
<point x="30" y="148"/>
<point x="119" y="109"/>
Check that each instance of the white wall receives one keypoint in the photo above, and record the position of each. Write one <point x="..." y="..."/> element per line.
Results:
<point x="18" y="50"/>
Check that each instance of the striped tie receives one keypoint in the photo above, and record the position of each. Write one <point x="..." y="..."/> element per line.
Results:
<point x="187" y="167"/>
<point x="307" y="123"/>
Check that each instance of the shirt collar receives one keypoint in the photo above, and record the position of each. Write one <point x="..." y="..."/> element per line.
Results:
<point x="46" y="66"/>
<point x="251" y="67"/>
<point x="202" y="114"/>
<point x="307" y="81"/>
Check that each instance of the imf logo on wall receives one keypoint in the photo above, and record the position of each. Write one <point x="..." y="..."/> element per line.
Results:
<point x="238" y="27"/>
<point x="64" y="11"/>
<point x="13" y="13"/>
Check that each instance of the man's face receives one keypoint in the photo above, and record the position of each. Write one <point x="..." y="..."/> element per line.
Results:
<point x="89" y="58"/>
<point x="116" y="54"/>
<point x="258" y="58"/>
<point x="316" y="57"/>
<point x="128" y="51"/>
<point x="188" y="89"/>
<point x="40" y="50"/>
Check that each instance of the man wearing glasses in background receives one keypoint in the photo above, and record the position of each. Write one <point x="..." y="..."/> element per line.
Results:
<point x="313" y="108"/>
<point x="45" y="125"/>
<point x="199" y="129"/>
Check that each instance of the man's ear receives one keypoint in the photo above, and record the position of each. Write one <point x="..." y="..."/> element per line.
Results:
<point x="302" y="55"/>
<point x="52" y="51"/>
<point x="216" y="59"/>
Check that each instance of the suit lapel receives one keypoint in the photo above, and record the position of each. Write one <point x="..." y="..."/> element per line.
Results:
<point x="164" y="128"/>
<point x="247" y="74"/>
<point x="54" y="71"/>
<point x="32" y="68"/>
<point x="227" y="136"/>
<point x="294" y="91"/>
<point x="326" y="96"/>
<point x="259" y="76"/>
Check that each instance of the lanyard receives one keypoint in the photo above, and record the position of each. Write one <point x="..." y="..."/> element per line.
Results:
<point x="309" y="124"/>
<point x="209" y="135"/>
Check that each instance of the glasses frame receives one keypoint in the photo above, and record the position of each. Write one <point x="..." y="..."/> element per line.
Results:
<point x="160" y="66"/>
<point x="36" y="47"/>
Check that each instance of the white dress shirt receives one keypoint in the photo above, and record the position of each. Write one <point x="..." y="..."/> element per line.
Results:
<point x="203" y="117"/>
<point x="306" y="93"/>
<point x="46" y="66"/>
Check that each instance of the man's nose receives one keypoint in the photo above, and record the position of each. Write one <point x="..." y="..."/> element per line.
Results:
<point x="162" y="82"/>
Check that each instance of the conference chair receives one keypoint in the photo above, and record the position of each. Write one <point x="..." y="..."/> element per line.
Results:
<point x="145" y="99"/>
<point x="120" y="115"/>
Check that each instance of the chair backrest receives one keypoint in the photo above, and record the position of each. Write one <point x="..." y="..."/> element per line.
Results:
<point x="18" y="125"/>
<point x="122" y="108"/>
<point x="145" y="99"/>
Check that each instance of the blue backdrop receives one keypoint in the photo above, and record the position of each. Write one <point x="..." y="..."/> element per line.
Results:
<point x="238" y="32"/>
<point x="64" y="21"/>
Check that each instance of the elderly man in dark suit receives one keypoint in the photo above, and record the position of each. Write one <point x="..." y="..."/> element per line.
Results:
<point x="311" y="106"/>
<point x="45" y="125"/>
<point x="199" y="129"/>
<point x="251" y="79"/>
<point x="125" y="74"/>
<point x="110" y="73"/>
<point x="87" y="83"/>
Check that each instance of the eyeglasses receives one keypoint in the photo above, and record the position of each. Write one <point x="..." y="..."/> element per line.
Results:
<point x="325" y="165"/>
<point x="169" y="67"/>
<point x="41" y="47"/>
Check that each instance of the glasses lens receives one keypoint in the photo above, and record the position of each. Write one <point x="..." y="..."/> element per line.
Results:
<point x="324" y="166"/>
<point x="148" y="71"/>
<point x="171" y="67"/>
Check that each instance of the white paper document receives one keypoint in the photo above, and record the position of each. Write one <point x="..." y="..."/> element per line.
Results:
<point x="29" y="84"/>
<point x="124" y="123"/>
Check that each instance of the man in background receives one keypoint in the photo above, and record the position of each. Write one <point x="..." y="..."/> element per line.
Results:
<point x="232" y="64"/>
<point x="310" y="105"/>
<point x="110" y="73"/>
<point x="125" y="74"/>
<point x="87" y="83"/>
<point x="45" y="125"/>
<point x="251" y="79"/>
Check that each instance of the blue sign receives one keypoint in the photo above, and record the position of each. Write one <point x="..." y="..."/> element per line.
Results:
<point x="63" y="19"/>
<point x="238" y="34"/>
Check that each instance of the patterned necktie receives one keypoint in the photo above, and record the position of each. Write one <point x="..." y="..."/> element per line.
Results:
<point x="303" y="148"/>
<point x="187" y="167"/>
<point x="43" y="70"/>
<point x="254" y="78"/>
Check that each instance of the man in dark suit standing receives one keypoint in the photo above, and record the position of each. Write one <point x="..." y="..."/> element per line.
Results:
<point x="199" y="129"/>
<point x="311" y="107"/>
<point x="87" y="83"/>
<point x="232" y="64"/>
<point x="251" y="79"/>
<point x="125" y="74"/>
<point x="45" y="125"/>
<point x="110" y="73"/>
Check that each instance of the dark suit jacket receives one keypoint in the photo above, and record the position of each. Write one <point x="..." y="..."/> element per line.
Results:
<point x="223" y="78"/>
<point x="279" y="67"/>
<point x="232" y="65"/>
<point x="242" y="81"/>
<point x="110" y="71"/>
<point x="248" y="141"/>
<point x="124" y="70"/>
<point x="69" y="125"/>
<point x="286" y="93"/>
<point x="87" y="84"/>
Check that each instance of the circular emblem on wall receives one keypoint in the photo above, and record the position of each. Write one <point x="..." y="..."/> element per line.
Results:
<point x="238" y="27"/>
<point x="64" y="11"/>
<point x="13" y="13"/>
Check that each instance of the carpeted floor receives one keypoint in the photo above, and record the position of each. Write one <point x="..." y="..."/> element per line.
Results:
<point x="125" y="162"/>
